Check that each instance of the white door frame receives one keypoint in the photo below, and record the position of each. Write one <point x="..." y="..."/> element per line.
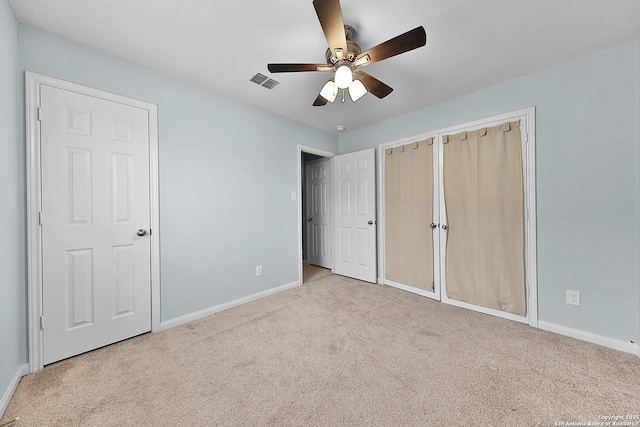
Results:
<point x="33" y="82"/>
<point x="318" y="152"/>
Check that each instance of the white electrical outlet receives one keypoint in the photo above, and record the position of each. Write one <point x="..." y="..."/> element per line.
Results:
<point x="258" y="270"/>
<point x="573" y="297"/>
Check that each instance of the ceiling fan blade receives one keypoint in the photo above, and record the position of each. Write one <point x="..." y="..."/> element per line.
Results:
<point x="320" y="101"/>
<point x="330" y="16"/>
<point x="403" y="43"/>
<point x="294" y="68"/>
<point x="374" y="86"/>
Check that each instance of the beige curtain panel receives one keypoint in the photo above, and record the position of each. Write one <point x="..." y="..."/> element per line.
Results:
<point x="483" y="191"/>
<point x="408" y="198"/>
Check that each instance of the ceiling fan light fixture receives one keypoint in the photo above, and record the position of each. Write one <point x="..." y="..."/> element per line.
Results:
<point x="357" y="90"/>
<point x="329" y="91"/>
<point x="344" y="56"/>
<point x="343" y="77"/>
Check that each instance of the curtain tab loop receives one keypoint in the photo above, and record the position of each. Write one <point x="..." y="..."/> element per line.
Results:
<point x="483" y="132"/>
<point x="463" y="136"/>
<point x="506" y="127"/>
<point x="445" y="139"/>
<point x="415" y="145"/>
<point x="389" y="151"/>
<point x="401" y="148"/>
<point x="430" y="141"/>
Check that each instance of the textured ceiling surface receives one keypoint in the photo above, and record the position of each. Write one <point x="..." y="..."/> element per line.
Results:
<point x="222" y="44"/>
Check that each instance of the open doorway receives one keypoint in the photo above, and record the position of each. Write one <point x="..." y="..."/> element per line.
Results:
<point x="314" y="213"/>
<point x="351" y="196"/>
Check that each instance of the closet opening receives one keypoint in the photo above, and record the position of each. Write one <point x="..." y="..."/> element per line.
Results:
<point x="458" y="220"/>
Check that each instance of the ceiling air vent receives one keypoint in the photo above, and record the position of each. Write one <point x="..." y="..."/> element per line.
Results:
<point x="265" y="81"/>
<point x="259" y="79"/>
<point x="270" y="84"/>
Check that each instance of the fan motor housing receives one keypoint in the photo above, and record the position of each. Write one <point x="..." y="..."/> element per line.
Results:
<point x="353" y="49"/>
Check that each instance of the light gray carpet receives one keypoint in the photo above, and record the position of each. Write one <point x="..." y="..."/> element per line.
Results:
<point x="335" y="351"/>
<point x="313" y="272"/>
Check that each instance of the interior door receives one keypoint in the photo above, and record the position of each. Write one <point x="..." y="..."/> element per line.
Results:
<point x="482" y="219"/>
<point x="318" y="198"/>
<point x="410" y="219"/>
<point x="95" y="222"/>
<point x="355" y="215"/>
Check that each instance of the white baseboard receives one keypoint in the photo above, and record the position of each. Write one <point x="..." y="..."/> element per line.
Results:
<point x="627" y="347"/>
<point x="8" y="394"/>
<point x="225" y="306"/>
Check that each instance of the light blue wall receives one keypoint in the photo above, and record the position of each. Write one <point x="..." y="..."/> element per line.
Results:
<point x="587" y="195"/>
<point x="227" y="170"/>
<point x="13" y="270"/>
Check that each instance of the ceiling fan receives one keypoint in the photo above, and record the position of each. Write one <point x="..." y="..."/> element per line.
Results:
<point x="344" y="56"/>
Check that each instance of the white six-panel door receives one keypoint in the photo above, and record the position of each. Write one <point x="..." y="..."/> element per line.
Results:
<point x="318" y="197"/>
<point x="95" y="199"/>
<point x="355" y="215"/>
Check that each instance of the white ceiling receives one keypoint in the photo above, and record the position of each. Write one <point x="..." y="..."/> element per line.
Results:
<point x="221" y="44"/>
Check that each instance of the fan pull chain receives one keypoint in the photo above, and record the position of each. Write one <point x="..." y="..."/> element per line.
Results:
<point x="342" y="96"/>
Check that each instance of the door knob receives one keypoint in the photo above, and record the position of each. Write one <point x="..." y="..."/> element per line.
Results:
<point x="370" y="222"/>
<point x="432" y="225"/>
<point x="309" y="219"/>
<point x="444" y="227"/>
<point x="141" y="232"/>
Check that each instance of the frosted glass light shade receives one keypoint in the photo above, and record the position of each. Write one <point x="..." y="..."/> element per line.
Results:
<point x="356" y="90"/>
<point x="343" y="77"/>
<point x="329" y="91"/>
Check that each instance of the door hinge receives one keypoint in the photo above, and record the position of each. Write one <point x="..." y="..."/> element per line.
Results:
<point x="150" y="232"/>
<point x="40" y="218"/>
<point x="42" y="323"/>
<point x="39" y="114"/>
